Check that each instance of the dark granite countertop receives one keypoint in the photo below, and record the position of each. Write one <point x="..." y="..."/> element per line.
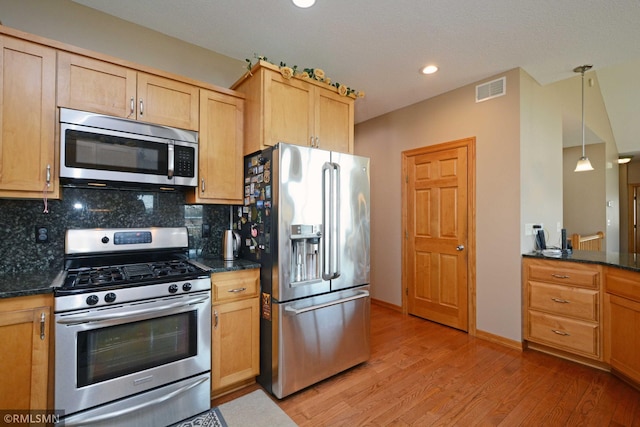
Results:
<point x="217" y="265"/>
<point x="27" y="283"/>
<point x="39" y="282"/>
<point x="625" y="261"/>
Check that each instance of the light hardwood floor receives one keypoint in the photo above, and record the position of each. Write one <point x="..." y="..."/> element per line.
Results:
<point x="424" y="374"/>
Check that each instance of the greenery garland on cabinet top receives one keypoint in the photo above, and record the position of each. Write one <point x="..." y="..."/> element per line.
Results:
<point x="310" y="73"/>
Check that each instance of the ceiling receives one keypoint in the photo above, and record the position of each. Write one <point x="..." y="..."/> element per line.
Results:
<point x="379" y="46"/>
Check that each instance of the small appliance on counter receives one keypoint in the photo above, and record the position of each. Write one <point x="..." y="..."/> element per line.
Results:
<point x="230" y="245"/>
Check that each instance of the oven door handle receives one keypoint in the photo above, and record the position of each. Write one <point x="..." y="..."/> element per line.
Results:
<point x="90" y="317"/>
<point x="96" y="419"/>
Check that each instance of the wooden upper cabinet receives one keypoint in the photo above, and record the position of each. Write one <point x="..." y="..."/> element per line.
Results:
<point x="295" y="111"/>
<point x="167" y="102"/>
<point x="100" y="87"/>
<point x="288" y="112"/>
<point x="97" y="86"/>
<point x="220" y="158"/>
<point x="334" y="121"/>
<point x="28" y="121"/>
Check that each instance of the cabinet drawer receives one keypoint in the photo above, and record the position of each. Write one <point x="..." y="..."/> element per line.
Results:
<point x="235" y="285"/>
<point x="569" y="334"/>
<point x="564" y="273"/>
<point x="564" y="300"/>
<point x="623" y="283"/>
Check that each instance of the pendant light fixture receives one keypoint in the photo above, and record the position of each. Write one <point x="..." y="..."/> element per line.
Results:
<point x="583" y="163"/>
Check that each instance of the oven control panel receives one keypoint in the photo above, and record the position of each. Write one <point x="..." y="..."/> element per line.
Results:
<point x="130" y="237"/>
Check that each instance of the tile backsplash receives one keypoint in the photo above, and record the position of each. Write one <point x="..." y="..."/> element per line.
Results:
<point x="99" y="208"/>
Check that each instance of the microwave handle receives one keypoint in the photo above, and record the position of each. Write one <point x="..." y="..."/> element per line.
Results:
<point x="170" y="160"/>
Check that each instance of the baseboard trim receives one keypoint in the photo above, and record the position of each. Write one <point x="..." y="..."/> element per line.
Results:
<point x="487" y="336"/>
<point x="386" y="305"/>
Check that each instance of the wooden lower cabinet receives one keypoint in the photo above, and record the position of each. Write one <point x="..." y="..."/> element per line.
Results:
<point x="235" y="330"/>
<point x="585" y="312"/>
<point x="622" y="310"/>
<point x="563" y="308"/>
<point x="25" y="325"/>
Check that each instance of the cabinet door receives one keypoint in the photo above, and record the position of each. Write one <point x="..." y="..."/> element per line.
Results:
<point x="24" y="345"/>
<point x="289" y="110"/>
<point x="167" y="102"/>
<point x="220" y="163"/>
<point x="334" y="121"/>
<point x="235" y="344"/>
<point x="27" y="140"/>
<point x="92" y="85"/>
<point x="624" y="340"/>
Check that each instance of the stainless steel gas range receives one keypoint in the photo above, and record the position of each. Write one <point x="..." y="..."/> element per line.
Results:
<point x="132" y="329"/>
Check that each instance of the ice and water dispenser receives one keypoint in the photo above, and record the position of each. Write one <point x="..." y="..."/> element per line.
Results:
<point x="305" y="253"/>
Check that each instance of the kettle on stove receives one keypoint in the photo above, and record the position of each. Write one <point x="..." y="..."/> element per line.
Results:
<point x="230" y="245"/>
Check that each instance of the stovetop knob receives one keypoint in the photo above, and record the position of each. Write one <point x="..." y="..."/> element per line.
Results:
<point x="92" y="299"/>
<point x="110" y="297"/>
<point x="173" y="289"/>
<point x="105" y="240"/>
<point x="186" y="287"/>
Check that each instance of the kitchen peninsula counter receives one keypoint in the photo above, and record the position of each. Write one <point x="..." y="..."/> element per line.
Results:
<point x="625" y="261"/>
<point x="39" y="282"/>
<point x="585" y="307"/>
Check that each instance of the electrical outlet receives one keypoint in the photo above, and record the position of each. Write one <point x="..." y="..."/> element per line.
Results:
<point x="42" y="234"/>
<point x="532" y="229"/>
<point x="206" y="230"/>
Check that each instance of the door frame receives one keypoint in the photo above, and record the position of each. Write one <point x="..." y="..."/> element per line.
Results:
<point x="470" y="144"/>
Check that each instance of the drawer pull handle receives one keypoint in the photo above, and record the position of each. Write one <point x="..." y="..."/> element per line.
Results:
<point x="235" y="291"/>
<point x="560" y="276"/>
<point x="563" y="333"/>
<point x="560" y="300"/>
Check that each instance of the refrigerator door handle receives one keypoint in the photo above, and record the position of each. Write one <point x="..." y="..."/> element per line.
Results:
<point x="330" y="220"/>
<point x="360" y="294"/>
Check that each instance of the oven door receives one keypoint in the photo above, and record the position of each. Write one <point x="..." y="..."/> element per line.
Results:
<point x="110" y="353"/>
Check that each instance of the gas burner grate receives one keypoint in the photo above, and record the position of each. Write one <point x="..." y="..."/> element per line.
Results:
<point x="172" y="268"/>
<point x="138" y="271"/>
<point x="98" y="276"/>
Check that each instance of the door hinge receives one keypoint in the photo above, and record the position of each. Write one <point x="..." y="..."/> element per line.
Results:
<point x="406" y="291"/>
<point x="406" y="179"/>
<point x="406" y="234"/>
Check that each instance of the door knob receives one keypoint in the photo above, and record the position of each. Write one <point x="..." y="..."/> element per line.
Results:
<point x="460" y="248"/>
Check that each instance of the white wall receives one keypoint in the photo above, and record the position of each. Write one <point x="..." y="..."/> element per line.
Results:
<point x="540" y="161"/>
<point x="77" y="25"/>
<point x="454" y="115"/>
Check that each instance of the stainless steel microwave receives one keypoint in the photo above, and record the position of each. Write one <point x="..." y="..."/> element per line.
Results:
<point x="105" y="149"/>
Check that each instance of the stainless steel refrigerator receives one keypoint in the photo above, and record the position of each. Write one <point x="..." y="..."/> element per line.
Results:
<point x="306" y="220"/>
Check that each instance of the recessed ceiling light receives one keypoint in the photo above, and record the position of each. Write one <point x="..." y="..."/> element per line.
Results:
<point x="429" y="69"/>
<point x="304" y="3"/>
